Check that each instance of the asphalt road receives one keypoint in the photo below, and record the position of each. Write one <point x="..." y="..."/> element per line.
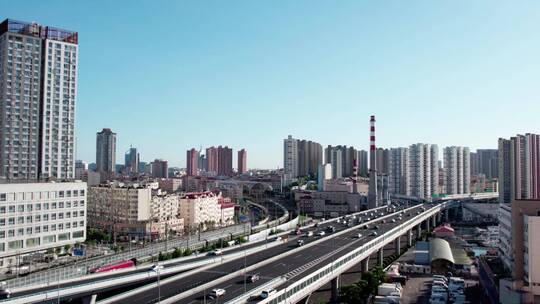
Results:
<point x="93" y="279"/>
<point x="296" y="265"/>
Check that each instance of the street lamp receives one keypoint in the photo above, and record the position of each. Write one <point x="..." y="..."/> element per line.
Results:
<point x="156" y="269"/>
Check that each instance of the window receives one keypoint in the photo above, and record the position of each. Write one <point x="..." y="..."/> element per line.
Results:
<point x="3" y="197"/>
<point x="14" y="245"/>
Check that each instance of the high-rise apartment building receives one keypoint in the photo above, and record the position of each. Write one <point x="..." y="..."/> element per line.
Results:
<point x="242" y="161"/>
<point x="398" y="171"/>
<point x="301" y="157"/>
<point x="488" y="162"/>
<point x="160" y="168"/>
<point x="457" y="170"/>
<point x="290" y="157"/>
<point x="474" y="163"/>
<point x="383" y="161"/>
<point x="212" y="160"/>
<point x="519" y="168"/>
<point x="106" y="153"/>
<point x="309" y="157"/>
<point x="192" y="162"/>
<point x="131" y="159"/>
<point x="225" y="161"/>
<point x="342" y="159"/>
<point x="38" y="89"/>
<point x="363" y="163"/>
<point x="424" y="170"/>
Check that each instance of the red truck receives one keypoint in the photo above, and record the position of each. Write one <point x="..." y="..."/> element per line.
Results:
<point x="116" y="266"/>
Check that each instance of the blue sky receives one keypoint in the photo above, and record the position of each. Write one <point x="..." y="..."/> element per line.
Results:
<point x="171" y="75"/>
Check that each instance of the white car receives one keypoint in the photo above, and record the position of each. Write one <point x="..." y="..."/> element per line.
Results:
<point x="359" y="236"/>
<point x="321" y="233"/>
<point x="217" y="252"/>
<point x="157" y="267"/>
<point x="310" y="233"/>
<point x="218" y="292"/>
<point x="268" y="292"/>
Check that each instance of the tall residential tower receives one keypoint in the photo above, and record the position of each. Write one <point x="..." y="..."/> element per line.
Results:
<point x="38" y="89"/>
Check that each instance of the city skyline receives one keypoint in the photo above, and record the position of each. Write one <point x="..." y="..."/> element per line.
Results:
<point x="342" y="63"/>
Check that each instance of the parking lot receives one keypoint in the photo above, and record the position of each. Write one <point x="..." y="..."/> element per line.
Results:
<point x="418" y="290"/>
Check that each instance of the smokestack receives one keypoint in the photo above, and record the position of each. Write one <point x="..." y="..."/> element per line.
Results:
<point x="373" y="200"/>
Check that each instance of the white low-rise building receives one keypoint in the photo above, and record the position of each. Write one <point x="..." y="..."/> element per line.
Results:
<point x="203" y="210"/>
<point x="39" y="216"/>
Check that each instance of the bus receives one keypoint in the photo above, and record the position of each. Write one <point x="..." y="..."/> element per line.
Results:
<point x="115" y="266"/>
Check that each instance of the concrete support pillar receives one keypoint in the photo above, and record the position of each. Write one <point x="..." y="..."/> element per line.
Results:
<point x="434" y="218"/>
<point x="409" y="238"/>
<point x="380" y="257"/>
<point x="446" y="215"/>
<point x="397" y="244"/>
<point x="335" y="290"/>
<point x="365" y="265"/>
<point x="427" y="224"/>
<point x="90" y="299"/>
<point x="419" y="231"/>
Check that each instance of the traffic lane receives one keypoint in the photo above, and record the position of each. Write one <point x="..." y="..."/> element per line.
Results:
<point x="276" y="269"/>
<point x="218" y="272"/>
<point x="199" y="278"/>
<point x="114" y="275"/>
<point x="214" y="273"/>
<point x="235" y="286"/>
<point x="351" y="275"/>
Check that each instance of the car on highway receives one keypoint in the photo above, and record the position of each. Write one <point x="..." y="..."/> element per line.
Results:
<point x="331" y="229"/>
<point x="216" y="252"/>
<point x="374" y="233"/>
<point x="376" y="227"/>
<point x="267" y="293"/>
<point x="300" y="242"/>
<point x="157" y="267"/>
<point x="321" y="233"/>
<point x="253" y="278"/>
<point x="5" y="293"/>
<point x="309" y="233"/>
<point x="359" y="236"/>
<point x="393" y="220"/>
<point x="217" y="292"/>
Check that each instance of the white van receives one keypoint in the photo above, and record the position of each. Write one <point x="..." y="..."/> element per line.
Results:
<point x="267" y="293"/>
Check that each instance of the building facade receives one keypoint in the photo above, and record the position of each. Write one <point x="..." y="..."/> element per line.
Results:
<point x="38" y="90"/>
<point x="290" y="158"/>
<point x="457" y="170"/>
<point x="131" y="161"/>
<point x="39" y="216"/>
<point x="398" y="171"/>
<point x="203" y="210"/>
<point x="192" y="162"/>
<point x="160" y="168"/>
<point x="106" y="153"/>
<point x="139" y="211"/>
<point x="519" y="168"/>
<point x="424" y="170"/>
<point x="242" y="161"/>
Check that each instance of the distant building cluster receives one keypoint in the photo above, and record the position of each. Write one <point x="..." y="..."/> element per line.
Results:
<point x="218" y="161"/>
<point x="142" y="210"/>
